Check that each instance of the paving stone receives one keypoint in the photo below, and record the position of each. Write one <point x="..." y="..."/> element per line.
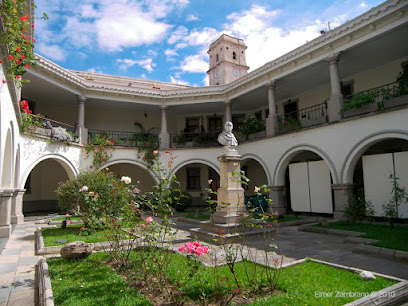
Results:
<point x="9" y="259"/>
<point x="27" y="253"/>
<point x="10" y="252"/>
<point x="6" y="278"/>
<point x="25" y="270"/>
<point x="24" y="282"/>
<point x="28" y="260"/>
<point x="21" y="297"/>
<point x="4" y="293"/>
<point x="6" y="268"/>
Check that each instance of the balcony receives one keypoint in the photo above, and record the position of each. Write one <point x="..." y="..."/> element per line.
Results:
<point x="125" y="138"/>
<point x="54" y="130"/>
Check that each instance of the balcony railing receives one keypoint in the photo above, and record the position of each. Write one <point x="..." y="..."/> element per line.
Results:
<point x="56" y="130"/>
<point x="123" y="138"/>
<point x="306" y="117"/>
<point x="184" y="140"/>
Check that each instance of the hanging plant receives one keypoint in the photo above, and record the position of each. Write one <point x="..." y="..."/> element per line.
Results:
<point x="16" y="35"/>
<point x="100" y="146"/>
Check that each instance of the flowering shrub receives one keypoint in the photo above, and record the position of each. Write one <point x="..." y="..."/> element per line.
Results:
<point x="252" y="125"/>
<point x="30" y="121"/>
<point x="193" y="248"/>
<point x="288" y="124"/>
<point x="100" y="146"/>
<point x="95" y="195"/>
<point x="148" y="145"/>
<point x="17" y="37"/>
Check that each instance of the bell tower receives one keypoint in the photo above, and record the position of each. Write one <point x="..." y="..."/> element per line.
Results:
<point x="227" y="60"/>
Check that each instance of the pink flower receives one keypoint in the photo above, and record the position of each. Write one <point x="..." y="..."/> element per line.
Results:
<point x="84" y="188"/>
<point x="67" y="215"/>
<point x="149" y="220"/>
<point x="82" y="228"/>
<point x="182" y="249"/>
<point x="190" y="247"/>
<point x="199" y="251"/>
<point x="68" y="222"/>
<point x="197" y="244"/>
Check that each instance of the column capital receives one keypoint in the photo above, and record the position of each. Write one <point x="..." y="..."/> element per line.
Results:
<point x="6" y="193"/>
<point x="164" y="106"/>
<point x="227" y="102"/>
<point x="81" y="99"/>
<point x="333" y="58"/>
<point x="271" y="84"/>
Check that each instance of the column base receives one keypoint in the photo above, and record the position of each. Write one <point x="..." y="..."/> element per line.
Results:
<point x="334" y="106"/>
<point x="341" y="196"/>
<point x="83" y="134"/>
<point x="271" y="125"/>
<point x="5" y="231"/>
<point x="17" y="219"/>
<point x="164" y="140"/>
<point x="277" y="196"/>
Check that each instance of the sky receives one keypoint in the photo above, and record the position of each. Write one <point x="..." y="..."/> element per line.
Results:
<point x="168" y="40"/>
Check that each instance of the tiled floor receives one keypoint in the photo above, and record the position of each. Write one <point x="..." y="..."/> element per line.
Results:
<point x="17" y="267"/>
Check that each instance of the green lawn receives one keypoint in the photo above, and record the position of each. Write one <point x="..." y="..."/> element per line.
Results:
<point x="390" y="238"/>
<point x="71" y="233"/>
<point x="90" y="282"/>
<point x="289" y="218"/>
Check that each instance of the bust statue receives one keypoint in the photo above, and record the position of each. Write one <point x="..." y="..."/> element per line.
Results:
<point x="226" y="138"/>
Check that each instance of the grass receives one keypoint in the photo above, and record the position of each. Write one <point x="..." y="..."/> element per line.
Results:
<point x="390" y="238"/>
<point x="289" y="218"/>
<point x="207" y="217"/>
<point x="71" y="233"/>
<point x="73" y="218"/>
<point x="90" y="282"/>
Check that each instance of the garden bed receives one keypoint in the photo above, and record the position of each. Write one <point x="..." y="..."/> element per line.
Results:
<point x="94" y="281"/>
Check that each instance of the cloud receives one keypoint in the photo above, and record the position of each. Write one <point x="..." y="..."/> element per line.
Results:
<point x="178" y="34"/>
<point x="194" y="63"/>
<point x="191" y="17"/>
<point x="204" y="37"/>
<point x="53" y="52"/>
<point x="170" y="54"/>
<point x="362" y="5"/>
<point x="206" y="81"/>
<point x="145" y="63"/>
<point x="95" y="70"/>
<point x="80" y="34"/>
<point x="178" y="81"/>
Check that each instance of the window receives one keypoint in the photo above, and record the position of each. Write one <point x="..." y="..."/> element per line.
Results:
<point x="234" y="55"/>
<point x="237" y="121"/>
<point x="347" y="88"/>
<point x="291" y="109"/>
<point x="216" y="57"/>
<point x="193" y="178"/>
<point x="192" y="125"/>
<point x="214" y="124"/>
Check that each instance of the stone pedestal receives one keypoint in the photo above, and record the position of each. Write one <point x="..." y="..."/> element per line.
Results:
<point x="277" y="196"/>
<point x="341" y="194"/>
<point x="231" y="201"/>
<point x="5" y="211"/>
<point x="334" y="106"/>
<point x="17" y="216"/>
<point x="83" y="134"/>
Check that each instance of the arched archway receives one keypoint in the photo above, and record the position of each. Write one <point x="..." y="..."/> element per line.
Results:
<point x="41" y="182"/>
<point x="307" y="174"/>
<point x="141" y="176"/>
<point x="255" y="171"/>
<point x="195" y="177"/>
<point x="374" y="165"/>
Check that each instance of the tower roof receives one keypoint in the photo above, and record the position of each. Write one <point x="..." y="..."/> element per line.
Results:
<point x="227" y="38"/>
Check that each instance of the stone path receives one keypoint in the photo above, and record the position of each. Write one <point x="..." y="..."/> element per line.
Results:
<point x="17" y="267"/>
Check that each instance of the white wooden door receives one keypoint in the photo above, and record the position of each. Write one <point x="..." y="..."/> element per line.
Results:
<point x="377" y="184"/>
<point x="299" y="187"/>
<point x="401" y="172"/>
<point x="320" y="187"/>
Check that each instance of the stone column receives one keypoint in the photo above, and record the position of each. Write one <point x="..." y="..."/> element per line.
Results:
<point x="341" y="193"/>
<point x="228" y="113"/>
<point x="5" y="212"/>
<point x="272" y="120"/>
<point x="336" y="100"/>
<point x="231" y="202"/>
<point x="277" y="195"/>
<point x="164" y="136"/>
<point x="17" y="216"/>
<point x="81" y="130"/>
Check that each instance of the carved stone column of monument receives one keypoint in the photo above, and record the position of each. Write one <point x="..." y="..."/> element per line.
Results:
<point x="5" y="211"/>
<point x="164" y="136"/>
<point x="272" y="120"/>
<point x="81" y="129"/>
<point x="336" y="100"/>
<point x="231" y="201"/>
<point x="341" y="193"/>
<point x="277" y="196"/>
<point x="228" y="112"/>
<point x="17" y="216"/>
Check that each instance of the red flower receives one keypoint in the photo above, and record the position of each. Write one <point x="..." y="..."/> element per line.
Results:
<point x="18" y="61"/>
<point x="23" y="36"/>
<point x="18" y="48"/>
<point x="34" y="40"/>
<point x="4" y="81"/>
<point x="32" y="25"/>
<point x="10" y="57"/>
<point x="25" y="30"/>
<point x="23" y="57"/>
<point x="18" y="77"/>
<point x="1" y="62"/>
<point x="28" y="66"/>
<point x="27" y="42"/>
